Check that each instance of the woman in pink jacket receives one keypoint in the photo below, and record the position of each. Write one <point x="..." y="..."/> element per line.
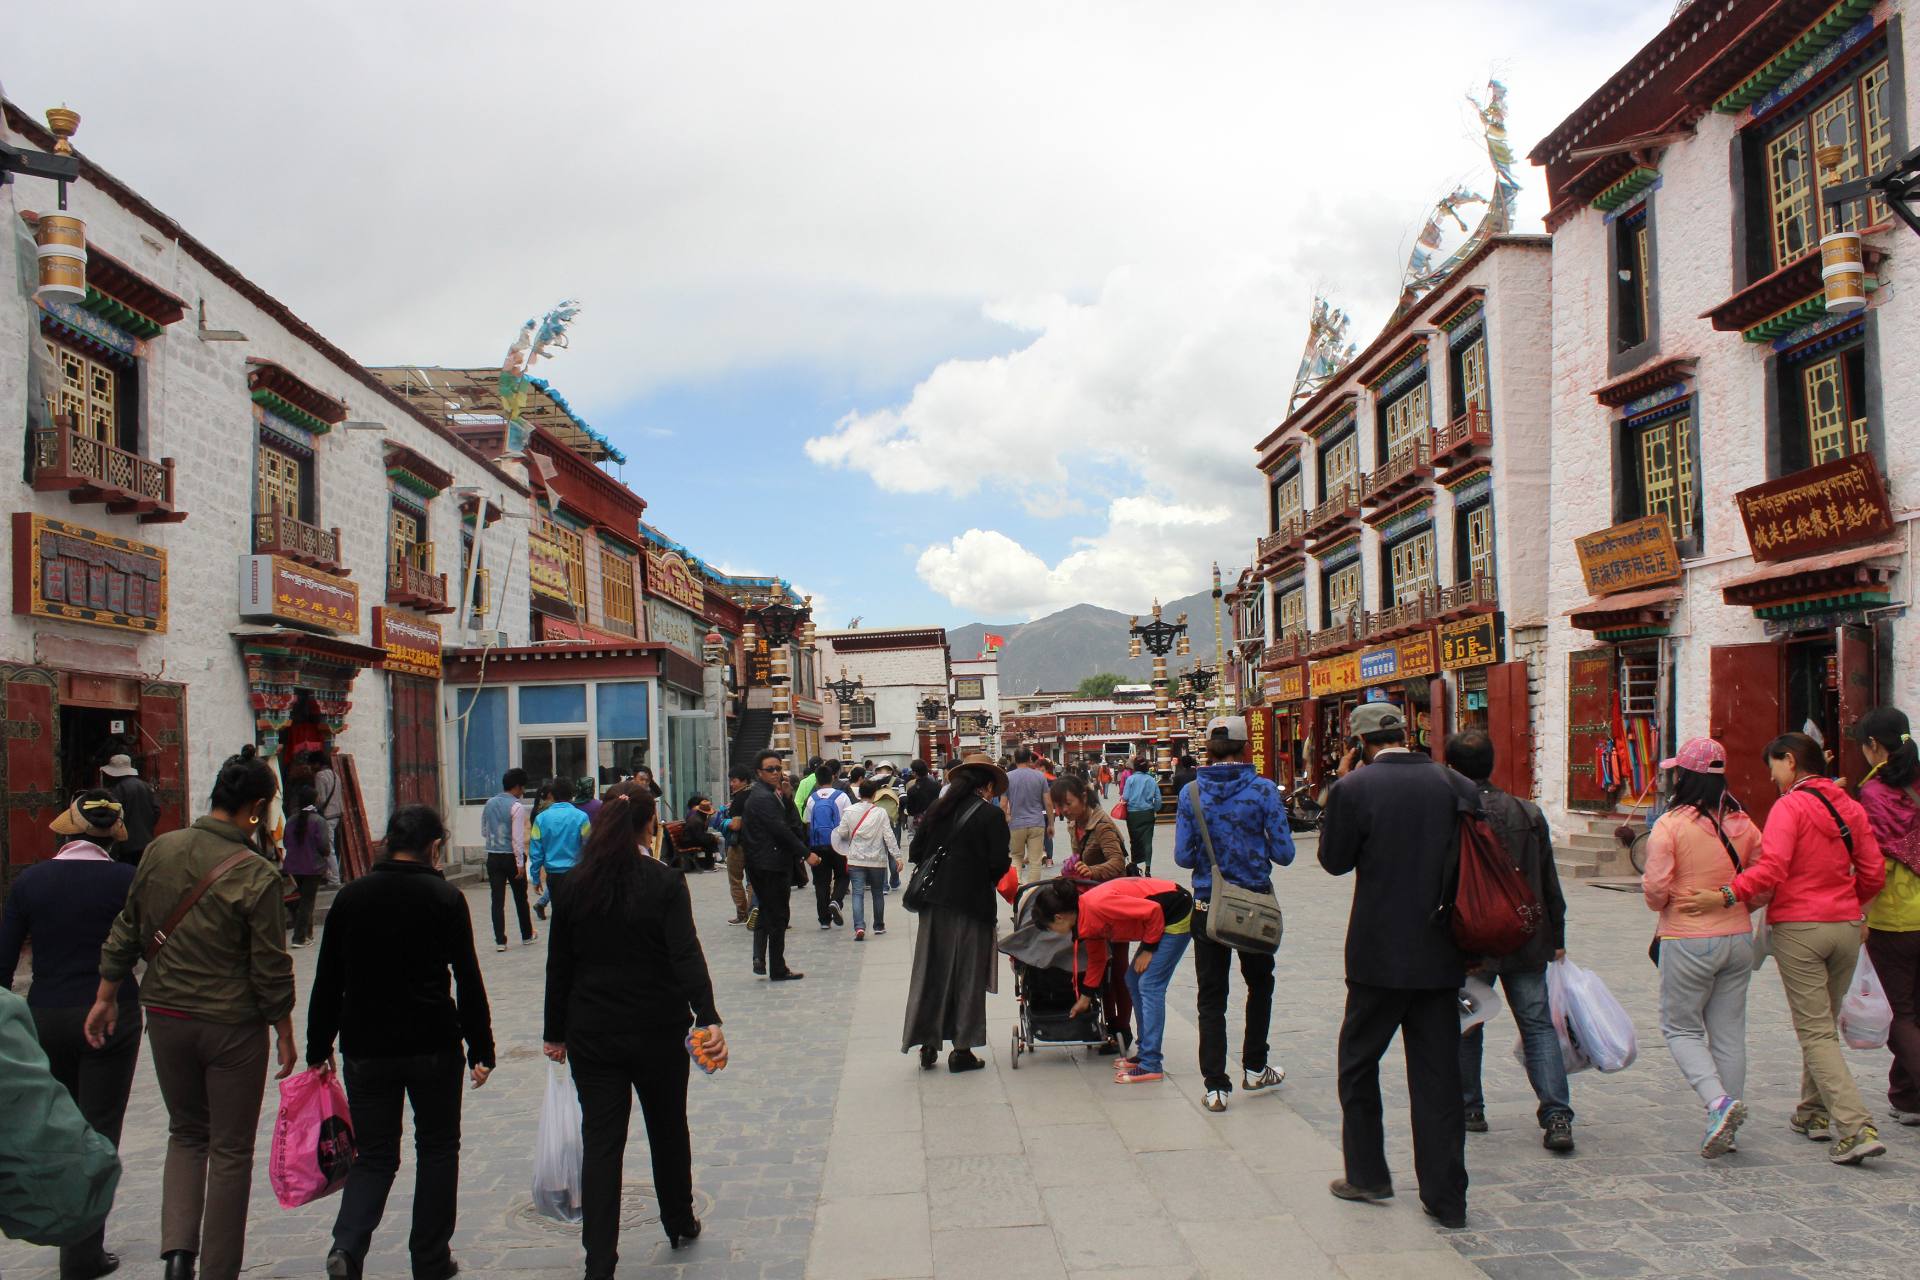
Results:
<point x="1821" y="863"/>
<point x="1706" y="960"/>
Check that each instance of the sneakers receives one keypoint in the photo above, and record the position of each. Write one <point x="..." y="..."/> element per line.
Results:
<point x="1216" y="1100"/>
<point x="833" y="909"/>
<point x="880" y="929"/>
<point x="760" y="967"/>
<point x="498" y="946"/>
<point x="1723" y="1120"/>
<point x="859" y="935"/>
<point x="1903" y="1117"/>
<point x="738" y="920"/>
<point x="826" y="924"/>
<point x="1476" y="1120"/>
<point x="1265" y="1078"/>
<point x="540" y="910"/>
<point x="1859" y="1147"/>
<point x="530" y="939"/>
<point x="753" y="918"/>
<point x="1812" y="1128"/>
<point x="1559" y="1134"/>
<point x="1134" y="1075"/>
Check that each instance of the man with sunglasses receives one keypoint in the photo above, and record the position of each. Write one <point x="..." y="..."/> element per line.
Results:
<point x="771" y="846"/>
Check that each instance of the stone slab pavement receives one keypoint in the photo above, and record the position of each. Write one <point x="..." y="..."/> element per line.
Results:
<point x="822" y="1151"/>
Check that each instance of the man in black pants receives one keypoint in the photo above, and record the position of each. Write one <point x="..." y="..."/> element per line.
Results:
<point x="1393" y="821"/>
<point x="771" y="846"/>
<point x="506" y="858"/>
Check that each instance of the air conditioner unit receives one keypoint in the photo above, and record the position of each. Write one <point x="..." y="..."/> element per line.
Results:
<point x="479" y="639"/>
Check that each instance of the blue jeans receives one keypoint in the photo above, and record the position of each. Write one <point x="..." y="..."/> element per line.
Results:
<point x="1546" y="1069"/>
<point x="872" y="879"/>
<point x="1149" y="991"/>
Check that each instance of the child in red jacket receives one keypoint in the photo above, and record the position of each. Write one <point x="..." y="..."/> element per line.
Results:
<point x="1157" y="915"/>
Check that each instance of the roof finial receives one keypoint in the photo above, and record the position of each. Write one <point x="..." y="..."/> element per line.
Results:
<point x="64" y="122"/>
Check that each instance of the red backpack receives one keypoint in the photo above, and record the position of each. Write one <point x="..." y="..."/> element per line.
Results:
<point x="1494" y="910"/>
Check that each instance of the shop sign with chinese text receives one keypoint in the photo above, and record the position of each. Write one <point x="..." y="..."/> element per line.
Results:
<point x="1288" y="684"/>
<point x="1260" y="742"/>
<point x="1333" y="675"/>
<point x="412" y="644"/>
<point x="1836" y="504"/>
<point x="1402" y="659"/>
<point x="669" y="578"/>
<point x="68" y="571"/>
<point x="1626" y="557"/>
<point x="1471" y="642"/>
<point x="672" y="626"/>
<point x="276" y="590"/>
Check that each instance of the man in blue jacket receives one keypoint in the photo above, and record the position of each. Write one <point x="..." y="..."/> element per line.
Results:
<point x="1248" y="825"/>
<point x="556" y="837"/>
<point x="1142" y="797"/>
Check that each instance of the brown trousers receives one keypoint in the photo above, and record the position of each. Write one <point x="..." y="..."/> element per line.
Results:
<point x="212" y="1076"/>
<point x="1816" y="964"/>
<point x="737" y="880"/>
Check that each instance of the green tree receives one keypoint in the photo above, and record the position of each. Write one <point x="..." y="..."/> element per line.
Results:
<point x="1099" y="685"/>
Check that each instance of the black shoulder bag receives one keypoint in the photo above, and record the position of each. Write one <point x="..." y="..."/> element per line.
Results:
<point x="926" y="872"/>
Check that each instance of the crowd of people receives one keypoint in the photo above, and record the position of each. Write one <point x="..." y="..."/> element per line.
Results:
<point x="210" y="924"/>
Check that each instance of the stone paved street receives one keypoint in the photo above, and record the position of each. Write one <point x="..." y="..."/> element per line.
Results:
<point x="823" y="1152"/>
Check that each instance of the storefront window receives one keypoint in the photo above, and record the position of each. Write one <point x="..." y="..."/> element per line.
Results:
<point x="482" y="733"/>
<point x="553" y="704"/>
<point x="558" y="757"/>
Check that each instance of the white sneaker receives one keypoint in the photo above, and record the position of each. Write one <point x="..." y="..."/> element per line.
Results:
<point x="1904" y="1117"/>
<point x="1264" y="1078"/>
<point x="1216" y="1100"/>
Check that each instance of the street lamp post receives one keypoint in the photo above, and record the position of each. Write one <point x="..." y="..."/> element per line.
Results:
<point x="845" y="693"/>
<point x="1159" y="638"/>
<point x="780" y="621"/>
<point x="930" y="710"/>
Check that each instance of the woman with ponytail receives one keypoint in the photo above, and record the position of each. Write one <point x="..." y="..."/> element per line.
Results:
<point x="1890" y="793"/>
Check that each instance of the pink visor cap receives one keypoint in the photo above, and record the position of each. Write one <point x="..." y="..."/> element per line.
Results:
<point x="1699" y="755"/>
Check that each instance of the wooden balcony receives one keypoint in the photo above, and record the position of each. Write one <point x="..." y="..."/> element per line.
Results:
<point x="1344" y="634"/>
<point x="1403" y="470"/>
<point x="1342" y="506"/>
<point x="1399" y="619"/>
<point x="1481" y="595"/>
<point x="275" y="533"/>
<point x="1284" y="651"/>
<point x="413" y="587"/>
<point x="1290" y="536"/>
<point x="1456" y="441"/>
<point x="88" y="470"/>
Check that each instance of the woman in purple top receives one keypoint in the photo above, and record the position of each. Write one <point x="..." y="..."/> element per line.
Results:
<point x="309" y="843"/>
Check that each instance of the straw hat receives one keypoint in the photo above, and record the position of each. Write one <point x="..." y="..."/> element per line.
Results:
<point x="120" y="766"/>
<point x="986" y="764"/>
<point x="93" y="813"/>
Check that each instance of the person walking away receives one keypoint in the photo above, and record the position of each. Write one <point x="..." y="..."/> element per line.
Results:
<point x="1820" y="861"/>
<point x="821" y="813"/>
<point x="1185" y="769"/>
<point x="309" y="843"/>
<point x="1097" y="854"/>
<point x="529" y="808"/>
<point x="1391" y="820"/>
<point x="1522" y="831"/>
<point x="953" y="957"/>
<point x="555" y="838"/>
<point x="865" y="839"/>
<point x="1706" y="960"/>
<point x="586" y="798"/>
<point x="774" y="854"/>
<point x="1029" y="824"/>
<point x="1890" y="794"/>
<point x="392" y="939"/>
<point x="65" y="908"/>
<point x="1141" y="794"/>
<point x="1248" y="826"/>
<point x="331" y="803"/>
<point x="222" y="975"/>
<point x="921" y="793"/>
<point x="506" y="858"/>
<point x="739" y="783"/>
<point x="809" y="780"/>
<point x="138" y="809"/>
<point x="626" y="980"/>
<point x="1155" y="914"/>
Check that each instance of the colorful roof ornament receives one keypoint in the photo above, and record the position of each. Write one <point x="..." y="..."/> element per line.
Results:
<point x="1328" y="351"/>
<point x="1422" y="276"/>
<point x="537" y="337"/>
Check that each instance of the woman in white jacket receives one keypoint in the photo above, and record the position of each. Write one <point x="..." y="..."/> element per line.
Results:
<point x="865" y="839"/>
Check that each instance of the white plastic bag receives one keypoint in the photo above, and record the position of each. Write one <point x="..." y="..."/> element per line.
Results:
<point x="1865" y="1015"/>
<point x="1600" y="1028"/>
<point x="556" y="1151"/>
<point x="1571" y="1054"/>
<point x="1478" y="1003"/>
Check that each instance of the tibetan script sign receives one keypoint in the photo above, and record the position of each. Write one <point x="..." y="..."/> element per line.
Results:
<point x="277" y="590"/>
<point x="672" y="626"/>
<point x="669" y="578"/>
<point x="1471" y="642"/>
<point x="1334" y="675"/>
<point x="549" y="567"/>
<point x="1836" y="504"/>
<point x="68" y="571"/>
<point x="1403" y="659"/>
<point x="412" y="644"/>
<point x="1288" y="684"/>
<point x="1639" y="553"/>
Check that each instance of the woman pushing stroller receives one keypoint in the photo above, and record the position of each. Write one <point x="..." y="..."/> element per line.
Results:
<point x="1156" y="915"/>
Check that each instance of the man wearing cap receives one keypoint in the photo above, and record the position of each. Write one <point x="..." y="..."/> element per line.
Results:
<point x="1247" y="825"/>
<point x="1391" y="819"/>
<point x="137" y="807"/>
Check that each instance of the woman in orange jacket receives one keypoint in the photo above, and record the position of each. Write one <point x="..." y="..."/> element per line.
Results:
<point x="1155" y="914"/>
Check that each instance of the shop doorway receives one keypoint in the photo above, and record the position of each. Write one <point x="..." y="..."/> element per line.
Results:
<point x="416" y="740"/>
<point x="89" y="737"/>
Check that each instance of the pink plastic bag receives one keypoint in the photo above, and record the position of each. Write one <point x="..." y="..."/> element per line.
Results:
<point x="312" y="1138"/>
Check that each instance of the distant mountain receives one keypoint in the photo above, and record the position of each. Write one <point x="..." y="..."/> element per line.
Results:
<point x="1059" y="650"/>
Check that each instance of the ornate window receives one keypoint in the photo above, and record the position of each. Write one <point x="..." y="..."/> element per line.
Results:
<point x="1343" y="592"/>
<point x="278" y="483"/>
<point x="616" y="583"/>
<point x="1473" y="376"/>
<point x="860" y="715"/>
<point x="969" y="687"/>
<point x="1657" y="453"/>
<point x="89" y="391"/>
<point x="405" y="543"/>
<point x="1339" y="465"/>
<point x="1476" y="532"/>
<point x="1833" y="430"/>
<point x="1287" y="499"/>
<point x="1822" y="398"/>
<point x="574" y="548"/>
<point x="1633" y="280"/>
<point x="1405" y="419"/>
<point x="1854" y="115"/>
<point x="1293" y="612"/>
<point x="1410" y="561"/>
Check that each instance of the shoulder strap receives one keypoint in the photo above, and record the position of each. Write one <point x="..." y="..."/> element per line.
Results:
<point x="1727" y="844"/>
<point x="160" y="935"/>
<point x="1846" y="832"/>
<point x="862" y="822"/>
<point x="1192" y="790"/>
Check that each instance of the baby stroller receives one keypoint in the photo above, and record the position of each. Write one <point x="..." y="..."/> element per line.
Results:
<point x="1044" y="989"/>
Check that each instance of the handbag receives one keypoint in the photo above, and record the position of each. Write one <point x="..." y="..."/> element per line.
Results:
<point x="1244" y="919"/>
<point x="926" y="872"/>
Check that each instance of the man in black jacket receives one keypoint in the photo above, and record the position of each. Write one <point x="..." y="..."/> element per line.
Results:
<point x="771" y="846"/>
<point x="1393" y="822"/>
<point x="1522" y="829"/>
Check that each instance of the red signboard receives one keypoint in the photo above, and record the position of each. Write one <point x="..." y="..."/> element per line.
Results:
<point x="63" y="570"/>
<point x="669" y="578"/>
<point x="412" y="644"/>
<point x="1262" y="751"/>
<point x="1837" y="504"/>
<point x="277" y="590"/>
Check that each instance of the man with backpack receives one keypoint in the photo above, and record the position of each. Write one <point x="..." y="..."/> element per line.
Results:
<point x="1246" y="837"/>
<point x="1390" y="818"/>
<point x="1522" y="831"/>
<point x="831" y="877"/>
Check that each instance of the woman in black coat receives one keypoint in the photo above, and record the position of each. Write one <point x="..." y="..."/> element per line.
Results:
<point x="953" y="954"/>
<point x="625" y="981"/>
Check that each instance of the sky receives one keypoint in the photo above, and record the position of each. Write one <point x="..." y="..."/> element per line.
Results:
<point x="945" y="312"/>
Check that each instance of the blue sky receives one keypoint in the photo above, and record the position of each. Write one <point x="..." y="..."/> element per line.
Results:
<point x="945" y="312"/>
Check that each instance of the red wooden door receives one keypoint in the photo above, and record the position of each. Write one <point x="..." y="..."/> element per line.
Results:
<point x="1855" y="658"/>
<point x="28" y="766"/>
<point x="416" y="741"/>
<point x="1510" y="724"/>
<point x="163" y="735"/>
<point x="1745" y="716"/>
<point x="1591" y="680"/>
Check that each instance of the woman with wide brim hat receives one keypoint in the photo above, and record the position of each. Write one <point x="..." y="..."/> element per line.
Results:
<point x="960" y="850"/>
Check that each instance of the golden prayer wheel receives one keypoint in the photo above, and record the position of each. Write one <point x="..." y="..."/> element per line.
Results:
<point x="1843" y="271"/>
<point x="62" y="238"/>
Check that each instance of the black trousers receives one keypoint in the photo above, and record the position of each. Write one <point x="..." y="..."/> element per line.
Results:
<point x="1212" y="962"/>
<point x="504" y="876"/>
<point x="831" y="879"/>
<point x="99" y="1081"/>
<point x="555" y="881"/>
<point x="608" y="1073"/>
<point x="432" y="1083"/>
<point x="1428" y="1023"/>
<point x="302" y="925"/>
<point x="773" y="890"/>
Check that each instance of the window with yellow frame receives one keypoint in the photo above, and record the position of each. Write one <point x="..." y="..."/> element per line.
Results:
<point x="1854" y="114"/>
